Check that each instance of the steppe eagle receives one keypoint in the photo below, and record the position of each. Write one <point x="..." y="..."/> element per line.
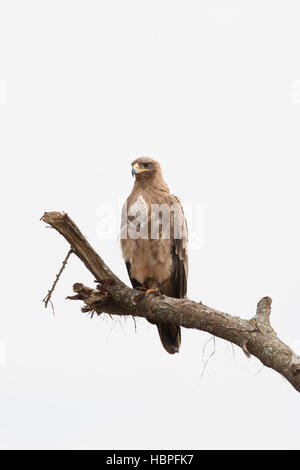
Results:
<point x="154" y="241"/>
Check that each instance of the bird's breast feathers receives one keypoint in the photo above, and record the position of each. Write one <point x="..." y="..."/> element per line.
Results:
<point x="148" y="228"/>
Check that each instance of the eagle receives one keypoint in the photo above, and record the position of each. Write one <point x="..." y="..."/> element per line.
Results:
<point x="154" y="241"/>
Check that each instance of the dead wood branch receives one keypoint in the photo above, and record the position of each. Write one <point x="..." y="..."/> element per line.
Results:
<point x="50" y="292"/>
<point x="112" y="296"/>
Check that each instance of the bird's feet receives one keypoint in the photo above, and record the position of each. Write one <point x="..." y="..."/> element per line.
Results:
<point x="152" y="291"/>
<point x="146" y="292"/>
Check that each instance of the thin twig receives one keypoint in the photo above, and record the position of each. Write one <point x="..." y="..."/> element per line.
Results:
<point x="50" y="292"/>
<point x="134" y="321"/>
<point x="211" y="354"/>
<point x="256" y="373"/>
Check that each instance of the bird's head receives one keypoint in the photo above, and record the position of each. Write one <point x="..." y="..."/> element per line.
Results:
<point x="145" y="167"/>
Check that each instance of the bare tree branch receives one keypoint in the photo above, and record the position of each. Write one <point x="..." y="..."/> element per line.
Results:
<point x="50" y="292"/>
<point x="112" y="296"/>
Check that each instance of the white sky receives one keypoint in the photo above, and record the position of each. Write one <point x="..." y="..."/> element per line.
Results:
<point x="210" y="89"/>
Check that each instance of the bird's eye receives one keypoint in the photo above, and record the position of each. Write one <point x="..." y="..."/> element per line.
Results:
<point x="147" y="164"/>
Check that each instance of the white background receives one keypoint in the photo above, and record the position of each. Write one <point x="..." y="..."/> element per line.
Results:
<point x="211" y="90"/>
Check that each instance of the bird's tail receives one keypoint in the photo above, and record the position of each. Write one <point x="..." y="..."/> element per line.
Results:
<point x="170" y="336"/>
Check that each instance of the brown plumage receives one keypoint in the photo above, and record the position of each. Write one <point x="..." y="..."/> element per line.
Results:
<point x="155" y="259"/>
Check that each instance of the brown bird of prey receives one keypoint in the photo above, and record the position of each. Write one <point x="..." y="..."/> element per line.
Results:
<point x="154" y="241"/>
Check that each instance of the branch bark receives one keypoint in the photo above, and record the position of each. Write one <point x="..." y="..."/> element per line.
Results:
<point x="112" y="296"/>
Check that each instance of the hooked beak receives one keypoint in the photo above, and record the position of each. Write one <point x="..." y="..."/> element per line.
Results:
<point x="136" y="169"/>
<point x="133" y="170"/>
